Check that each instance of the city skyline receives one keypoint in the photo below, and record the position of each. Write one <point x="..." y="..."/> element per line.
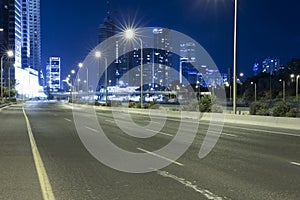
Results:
<point x="264" y="29"/>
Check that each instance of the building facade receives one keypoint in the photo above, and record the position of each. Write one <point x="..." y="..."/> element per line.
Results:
<point x="270" y="65"/>
<point x="53" y="74"/>
<point x="35" y="34"/>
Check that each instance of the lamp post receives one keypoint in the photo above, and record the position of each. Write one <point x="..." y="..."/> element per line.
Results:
<point x="72" y="84"/>
<point x="9" y="54"/>
<point x="130" y="34"/>
<point x="9" y="82"/>
<point x="297" y="87"/>
<point x="255" y="97"/>
<point x="98" y="54"/>
<point x="80" y="65"/>
<point x="283" y="89"/>
<point x="234" y="56"/>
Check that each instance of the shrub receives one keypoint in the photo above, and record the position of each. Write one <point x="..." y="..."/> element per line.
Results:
<point x="154" y="105"/>
<point x="192" y="106"/>
<point x="294" y="112"/>
<point x="281" y="109"/>
<point x="259" y="108"/>
<point x="131" y="104"/>
<point x="216" y="108"/>
<point x="206" y="103"/>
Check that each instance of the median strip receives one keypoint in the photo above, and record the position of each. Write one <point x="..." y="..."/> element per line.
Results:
<point x="39" y="165"/>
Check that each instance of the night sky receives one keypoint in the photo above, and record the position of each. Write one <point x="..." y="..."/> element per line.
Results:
<point x="265" y="28"/>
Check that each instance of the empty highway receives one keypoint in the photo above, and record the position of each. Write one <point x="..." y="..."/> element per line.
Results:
<point x="42" y="157"/>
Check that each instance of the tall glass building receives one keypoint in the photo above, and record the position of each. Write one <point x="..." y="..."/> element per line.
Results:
<point x="53" y="74"/>
<point x="35" y="34"/>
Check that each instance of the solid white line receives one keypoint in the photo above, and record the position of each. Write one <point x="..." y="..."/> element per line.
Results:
<point x="94" y="130"/>
<point x="68" y="120"/>
<point x="159" y="156"/>
<point x="189" y="184"/>
<point x="295" y="163"/>
<point x="39" y="165"/>
<point x="162" y="133"/>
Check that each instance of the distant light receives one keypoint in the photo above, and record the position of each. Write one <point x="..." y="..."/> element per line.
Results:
<point x="80" y="65"/>
<point x="129" y="34"/>
<point x="10" y="53"/>
<point x="98" y="54"/>
<point x="73" y="71"/>
<point x="241" y="74"/>
<point x="1" y="29"/>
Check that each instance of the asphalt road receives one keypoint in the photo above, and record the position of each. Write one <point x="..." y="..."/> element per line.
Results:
<point x="248" y="162"/>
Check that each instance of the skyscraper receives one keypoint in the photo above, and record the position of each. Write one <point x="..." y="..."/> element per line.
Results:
<point x="18" y="19"/>
<point x="35" y="34"/>
<point x="162" y="57"/>
<point x="26" y="35"/>
<point x="270" y="65"/>
<point x="106" y="30"/>
<point x="187" y="72"/>
<point x="53" y="74"/>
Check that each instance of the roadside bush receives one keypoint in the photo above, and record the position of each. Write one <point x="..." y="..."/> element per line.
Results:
<point x="154" y="105"/>
<point x="192" y="106"/>
<point x="205" y="104"/>
<point x="294" y="112"/>
<point x="259" y="108"/>
<point x="216" y="108"/>
<point x="281" y="109"/>
<point x="131" y="104"/>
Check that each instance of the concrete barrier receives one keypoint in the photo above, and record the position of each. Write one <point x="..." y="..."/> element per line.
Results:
<point x="268" y="121"/>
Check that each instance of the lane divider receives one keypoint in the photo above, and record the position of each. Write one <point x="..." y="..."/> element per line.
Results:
<point x="159" y="156"/>
<point x="205" y="192"/>
<point x="39" y="165"/>
<point x="295" y="163"/>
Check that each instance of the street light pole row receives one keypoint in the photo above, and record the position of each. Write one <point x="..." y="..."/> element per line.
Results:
<point x="9" y="54"/>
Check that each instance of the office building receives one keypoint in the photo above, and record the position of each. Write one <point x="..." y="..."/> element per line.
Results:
<point x="53" y="74"/>
<point x="187" y="72"/>
<point x="106" y="30"/>
<point x="35" y="34"/>
<point x="270" y="65"/>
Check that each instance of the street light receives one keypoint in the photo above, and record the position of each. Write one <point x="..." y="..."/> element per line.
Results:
<point x="234" y="56"/>
<point x="80" y="65"/>
<point x="98" y="54"/>
<point x="130" y="34"/>
<point x="255" y="97"/>
<point x="297" y="87"/>
<point x="283" y="89"/>
<point x="9" y="54"/>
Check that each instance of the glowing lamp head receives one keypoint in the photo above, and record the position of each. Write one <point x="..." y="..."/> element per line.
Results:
<point x="10" y="53"/>
<point x="98" y="54"/>
<point x="129" y="34"/>
<point x="80" y="65"/>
